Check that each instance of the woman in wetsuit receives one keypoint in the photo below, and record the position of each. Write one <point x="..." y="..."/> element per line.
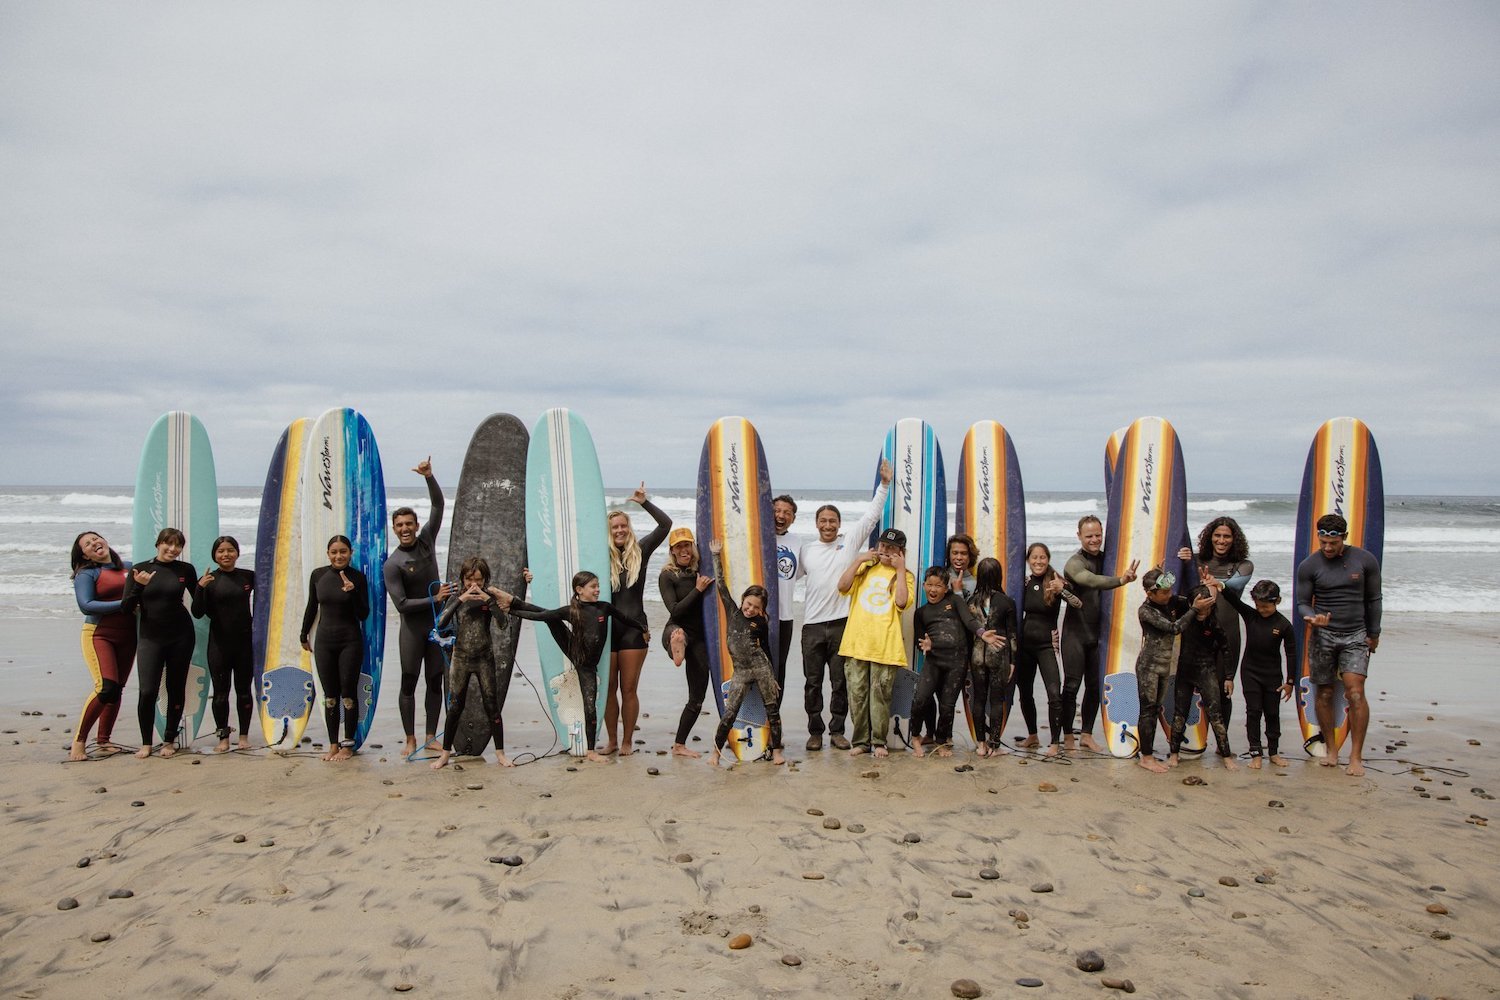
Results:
<point x="579" y="628"/>
<point x="155" y="592"/>
<point x="991" y="665"/>
<point x="108" y="637"/>
<point x="1042" y="601"/>
<point x="627" y="647"/>
<point x="1224" y="554"/>
<point x="682" y="588"/>
<point x="223" y="597"/>
<point x="338" y="598"/>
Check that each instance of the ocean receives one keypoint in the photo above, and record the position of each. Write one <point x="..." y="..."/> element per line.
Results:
<point x="1440" y="552"/>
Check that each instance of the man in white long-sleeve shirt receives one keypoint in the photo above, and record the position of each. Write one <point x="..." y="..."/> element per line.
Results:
<point x="821" y="561"/>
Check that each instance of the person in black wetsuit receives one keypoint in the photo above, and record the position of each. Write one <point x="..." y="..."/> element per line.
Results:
<point x="627" y="646"/>
<point x="1198" y="669"/>
<point x="1084" y="572"/>
<point x="473" y="655"/>
<point x="682" y="588"/>
<point x="410" y="572"/>
<point x="1043" y="597"/>
<point x="155" y="591"/>
<point x="1224" y="554"/>
<point x="579" y="628"/>
<point x="959" y="559"/>
<point x="747" y="634"/>
<point x="945" y="631"/>
<point x="338" y="597"/>
<point x="223" y="597"/>
<point x="991" y="664"/>
<point x="1268" y="637"/>
<point x="108" y="639"/>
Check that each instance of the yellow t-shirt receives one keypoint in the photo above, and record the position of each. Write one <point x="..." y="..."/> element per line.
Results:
<point x="874" y="629"/>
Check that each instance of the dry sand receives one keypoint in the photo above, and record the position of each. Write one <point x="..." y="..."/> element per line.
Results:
<point x="376" y="875"/>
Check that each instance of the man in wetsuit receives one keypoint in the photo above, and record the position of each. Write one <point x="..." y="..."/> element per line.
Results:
<point x="788" y="557"/>
<point x="1338" y="594"/>
<point x="410" y="572"/>
<point x="1084" y="572"/>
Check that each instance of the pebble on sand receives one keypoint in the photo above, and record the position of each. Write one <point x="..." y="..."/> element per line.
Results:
<point x="813" y="876"/>
<point x="912" y="838"/>
<point x="99" y="937"/>
<point x="791" y="960"/>
<point x="1230" y="881"/>
<point x="1193" y="779"/>
<point x="1441" y="936"/>
<point x="1110" y="983"/>
<point x="856" y="828"/>
<point x="1276" y="804"/>
<point x="67" y="903"/>
<point x="403" y="987"/>
<point x="869" y="774"/>
<point x="683" y="859"/>
<point x="239" y="838"/>
<point x="512" y="861"/>
<point x="831" y="824"/>
<point x="100" y="790"/>
<point x="740" y="942"/>
<point x="474" y="786"/>
<point x="815" y="812"/>
<point x="120" y="894"/>
<point x="988" y="874"/>
<point x="268" y="843"/>
<point x="967" y="989"/>
<point x="1196" y="892"/>
<point x="962" y="894"/>
<point x="1031" y="982"/>
<point x="910" y="915"/>
<point x="1042" y="887"/>
<point x="85" y="862"/>
<point x="1238" y="915"/>
<point x="1265" y="880"/>
<point x="1020" y="915"/>
<point x="137" y="803"/>
<point x="1046" y="786"/>
<point x="1437" y="908"/>
<point x="1090" y="961"/>
<point x="653" y="770"/>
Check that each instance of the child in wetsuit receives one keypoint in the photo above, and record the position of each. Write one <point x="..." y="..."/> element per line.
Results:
<point x="991" y="660"/>
<point x="1198" y="671"/>
<point x="1160" y="626"/>
<point x="945" y="630"/>
<point x="579" y="628"/>
<point x="1268" y="635"/>
<point x="748" y="637"/>
<point x="475" y="609"/>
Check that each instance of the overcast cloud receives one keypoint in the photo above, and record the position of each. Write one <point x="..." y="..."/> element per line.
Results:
<point x="1246" y="218"/>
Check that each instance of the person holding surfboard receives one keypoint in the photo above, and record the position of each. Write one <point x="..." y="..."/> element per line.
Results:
<point x="750" y="648"/>
<point x="338" y="599"/>
<point x="411" y="573"/>
<point x="473" y="610"/>
<point x="1342" y="604"/>
<point x="580" y="629"/>
<point x="1084" y="573"/>
<point x="788" y="558"/>
<point x="879" y="587"/>
<point x="108" y="639"/>
<point x="825" y="612"/>
<point x="223" y="597"/>
<point x="682" y="587"/>
<point x="1224" y="554"/>
<point x="156" y="592"/>
<point x="628" y="557"/>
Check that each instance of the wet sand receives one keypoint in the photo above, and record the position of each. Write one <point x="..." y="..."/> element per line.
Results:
<point x="378" y="874"/>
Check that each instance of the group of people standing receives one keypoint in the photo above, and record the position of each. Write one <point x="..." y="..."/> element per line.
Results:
<point x="973" y="637"/>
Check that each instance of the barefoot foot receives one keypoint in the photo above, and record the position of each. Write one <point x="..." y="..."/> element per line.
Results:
<point x="943" y="750"/>
<point x="1052" y="751"/>
<point x="442" y="760"/>
<point x="1151" y="764"/>
<point x="1356" y="768"/>
<point x="410" y="746"/>
<point x="983" y="749"/>
<point x="1029" y="743"/>
<point x="596" y="757"/>
<point x="1277" y="760"/>
<point x="678" y="750"/>
<point x="503" y="760"/>
<point x="223" y="746"/>
<point x="714" y="758"/>
<point x="1070" y="742"/>
<point x="1172" y="760"/>
<point x="77" y="752"/>
<point x="856" y="751"/>
<point x="1087" y="740"/>
<point x="167" y="750"/>
<point x="678" y="645"/>
<point x="916" y="747"/>
<point x="344" y="753"/>
<point x="1255" y="763"/>
<point x="1229" y="764"/>
<point x="777" y="758"/>
<point x="880" y="753"/>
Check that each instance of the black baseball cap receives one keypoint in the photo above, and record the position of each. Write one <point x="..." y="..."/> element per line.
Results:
<point x="894" y="536"/>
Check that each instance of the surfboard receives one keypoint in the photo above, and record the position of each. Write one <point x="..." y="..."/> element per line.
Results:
<point x="991" y="508"/>
<point x="284" y="690"/>
<point x="565" y="532"/>
<point x="734" y="506"/>
<point x="343" y="493"/>
<point x="918" y="505"/>
<point x="1146" y="520"/>
<point x="175" y="487"/>
<point x="489" y="520"/>
<point x="1111" y="456"/>
<point x="1342" y="476"/>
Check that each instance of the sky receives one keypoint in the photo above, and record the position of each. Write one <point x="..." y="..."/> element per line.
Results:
<point x="1246" y="218"/>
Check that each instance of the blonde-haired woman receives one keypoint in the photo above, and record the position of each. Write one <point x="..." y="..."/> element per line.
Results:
<point x="627" y="645"/>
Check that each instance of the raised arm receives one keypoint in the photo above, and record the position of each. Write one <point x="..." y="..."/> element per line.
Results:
<point x="435" y="497"/>
<point x="657" y="534"/>
<point x="1076" y="570"/>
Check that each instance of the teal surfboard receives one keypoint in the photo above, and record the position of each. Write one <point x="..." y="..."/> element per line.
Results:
<point x="175" y="487"/>
<point x="565" y="532"/>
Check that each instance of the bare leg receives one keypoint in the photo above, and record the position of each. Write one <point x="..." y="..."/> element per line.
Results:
<point x="1359" y="721"/>
<point x="1323" y="708"/>
<point x="631" y="662"/>
<point x="612" y="707"/>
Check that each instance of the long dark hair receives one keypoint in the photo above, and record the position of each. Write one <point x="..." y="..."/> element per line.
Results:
<point x="1239" y="547"/>
<point x="81" y="561"/>
<point x="989" y="579"/>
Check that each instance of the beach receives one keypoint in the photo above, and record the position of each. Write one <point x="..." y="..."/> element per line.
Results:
<point x="254" y="875"/>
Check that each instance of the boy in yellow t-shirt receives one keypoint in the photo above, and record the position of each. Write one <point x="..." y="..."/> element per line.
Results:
<point x="880" y="587"/>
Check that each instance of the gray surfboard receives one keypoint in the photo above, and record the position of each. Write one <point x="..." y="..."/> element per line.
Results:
<point x="489" y="520"/>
